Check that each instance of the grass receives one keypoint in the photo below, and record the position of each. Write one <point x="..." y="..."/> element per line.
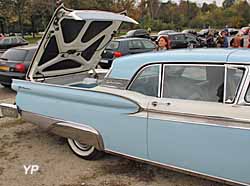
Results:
<point x="32" y="40"/>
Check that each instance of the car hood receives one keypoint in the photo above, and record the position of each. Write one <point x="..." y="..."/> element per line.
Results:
<point x="74" y="41"/>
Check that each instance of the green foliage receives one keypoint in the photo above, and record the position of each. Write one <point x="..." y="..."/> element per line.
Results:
<point x="34" y="15"/>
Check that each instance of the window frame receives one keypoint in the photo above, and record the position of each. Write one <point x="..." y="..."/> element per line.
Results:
<point x="140" y="71"/>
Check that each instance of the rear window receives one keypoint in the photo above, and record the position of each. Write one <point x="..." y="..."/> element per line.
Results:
<point x="113" y="45"/>
<point x="14" y="55"/>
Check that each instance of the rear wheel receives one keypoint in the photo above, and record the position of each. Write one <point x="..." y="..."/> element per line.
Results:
<point x="88" y="152"/>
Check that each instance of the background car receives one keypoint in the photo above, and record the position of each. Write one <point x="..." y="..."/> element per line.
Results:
<point x="124" y="46"/>
<point x="14" y="63"/>
<point x="165" y="32"/>
<point x="141" y="33"/>
<point x="232" y="31"/>
<point x="9" y="42"/>
<point x="194" y="41"/>
<point x="177" y="40"/>
<point x="245" y="30"/>
<point x="189" y="31"/>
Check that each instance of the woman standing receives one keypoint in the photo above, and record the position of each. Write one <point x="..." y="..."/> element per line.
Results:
<point x="163" y="43"/>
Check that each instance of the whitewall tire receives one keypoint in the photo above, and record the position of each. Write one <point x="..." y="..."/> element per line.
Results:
<point x="84" y="151"/>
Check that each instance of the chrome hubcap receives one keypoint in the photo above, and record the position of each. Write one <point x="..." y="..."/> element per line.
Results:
<point x="83" y="147"/>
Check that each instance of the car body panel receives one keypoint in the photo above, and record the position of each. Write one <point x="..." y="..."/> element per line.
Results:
<point x="177" y="56"/>
<point x="114" y="130"/>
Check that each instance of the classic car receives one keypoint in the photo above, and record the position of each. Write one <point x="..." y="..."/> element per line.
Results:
<point x="186" y="110"/>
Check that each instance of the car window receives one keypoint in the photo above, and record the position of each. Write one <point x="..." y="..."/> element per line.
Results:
<point x="234" y="77"/>
<point x="204" y="83"/>
<point x="14" y="54"/>
<point x="30" y="55"/>
<point x="177" y="37"/>
<point x="5" y="41"/>
<point x="147" y="81"/>
<point x="248" y="94"/>
<point x="13" y="40"/>
<point x="113" y="45"/>
<point x="135" y="44"/>
<point x="148" y="44"/>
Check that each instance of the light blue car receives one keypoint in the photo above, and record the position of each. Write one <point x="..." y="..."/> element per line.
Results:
<point x="186" y="110"/>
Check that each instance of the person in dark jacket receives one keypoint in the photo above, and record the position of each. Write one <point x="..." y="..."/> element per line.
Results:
<point x="222" y="41"/>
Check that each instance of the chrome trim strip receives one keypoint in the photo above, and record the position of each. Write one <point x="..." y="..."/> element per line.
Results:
<point x="80" y="132"/>
<point x="196" y="119"/>
<point x="81" y="89"/>
<point x="225" y="84"/>
<point x="8" y="110"/>
<point x="178" y="169"/>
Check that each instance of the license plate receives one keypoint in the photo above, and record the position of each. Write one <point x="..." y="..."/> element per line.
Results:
<point x="4" y="68"/>
<point x="104" y="61"/>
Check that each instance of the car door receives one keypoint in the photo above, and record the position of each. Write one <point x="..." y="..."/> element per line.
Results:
<point x="195" y="126"/>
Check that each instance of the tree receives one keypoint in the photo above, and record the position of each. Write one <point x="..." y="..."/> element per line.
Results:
<point x="228" y="3"/>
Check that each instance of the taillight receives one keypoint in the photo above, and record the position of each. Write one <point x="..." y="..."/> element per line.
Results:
<point x="20" y="67"/>
<point x="117" y="54"/>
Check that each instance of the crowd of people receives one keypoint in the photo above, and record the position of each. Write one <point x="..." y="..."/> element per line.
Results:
<point x="221" y="41"/>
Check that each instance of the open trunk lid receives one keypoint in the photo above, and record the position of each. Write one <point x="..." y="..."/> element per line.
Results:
<point x="73" y="42"/>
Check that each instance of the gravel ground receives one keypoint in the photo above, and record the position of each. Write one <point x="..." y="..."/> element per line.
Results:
<point x="22" y="144"/>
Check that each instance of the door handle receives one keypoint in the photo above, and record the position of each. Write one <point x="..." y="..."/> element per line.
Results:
<point x="155" y="103"/>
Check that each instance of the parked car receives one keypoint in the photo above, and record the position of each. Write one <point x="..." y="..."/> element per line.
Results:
<point x="194" y="41"/>
<point x="245" y="30"/>
<point x="232" y="31"/>
<point x="124" y="46"/>
<point x="187" y="110"/>
<point x="204" y="32"/>
<point x="165" y="32"/>
<point x="14" y="63"/>
<point x="189" y="31"/>
<point x="13" y="41"/>
<point x="141" y="33"/>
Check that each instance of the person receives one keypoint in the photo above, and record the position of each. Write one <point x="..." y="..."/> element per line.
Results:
<point x="222" y="41"/>
<point x="248" y="46"/>
<point x="163" y="43"/>
<point x="210" y="40"/>
<point x="237" y="41"/>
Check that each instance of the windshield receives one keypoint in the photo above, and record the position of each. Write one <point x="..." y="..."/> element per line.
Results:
<point x="14" y="55"/>
<point x="113" y="45"/>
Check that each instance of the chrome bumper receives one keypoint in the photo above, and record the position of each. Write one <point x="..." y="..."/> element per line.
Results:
<point x="9" y="110"/>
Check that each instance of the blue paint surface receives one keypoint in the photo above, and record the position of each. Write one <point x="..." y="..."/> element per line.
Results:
<point x="125" y="67"/>
<point x="217" y="151"/>
<point x="107" y="113"/>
